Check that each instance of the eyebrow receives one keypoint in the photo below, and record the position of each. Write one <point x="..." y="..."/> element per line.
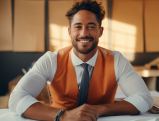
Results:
<point x="77" y="24"/>
<point x="88" y="23"/>
<point x="92" y="23"/>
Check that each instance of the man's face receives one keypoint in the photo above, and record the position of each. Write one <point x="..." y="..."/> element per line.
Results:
<point x="85" y="31"/>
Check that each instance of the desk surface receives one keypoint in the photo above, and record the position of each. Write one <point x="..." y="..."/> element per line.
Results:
<point x="142" y="117"/>
<point x="6" y="115"/>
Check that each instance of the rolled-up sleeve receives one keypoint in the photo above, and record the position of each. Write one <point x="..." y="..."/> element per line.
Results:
<point x="31" y="84"/>
<point x="131" y="84"/>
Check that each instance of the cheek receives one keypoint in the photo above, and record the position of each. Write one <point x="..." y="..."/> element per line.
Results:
<point x="74" y="35"/>
<point x="98" y="34"/>
<point x="94" y="34"/>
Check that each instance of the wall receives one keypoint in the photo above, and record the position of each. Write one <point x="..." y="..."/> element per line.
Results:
<point x="11" y="63"/>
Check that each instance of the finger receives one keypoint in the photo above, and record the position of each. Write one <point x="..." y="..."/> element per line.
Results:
<point x="87" y="118"/>
<point x="93" y="111"/>
<point x="87" y="109"/>
<point x="90" y="115"/>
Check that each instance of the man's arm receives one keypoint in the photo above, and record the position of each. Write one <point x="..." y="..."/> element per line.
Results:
<point x="92" y="112"/>
<point x="119" y="108"/>
<point x="38" y="111"/>
<point x="22" y="100"/>
<point x="87" y="112"/>
<point x="31" y="84"/>
<point x="131" y="84"/>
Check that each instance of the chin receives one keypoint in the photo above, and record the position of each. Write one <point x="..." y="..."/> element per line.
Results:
<point x="87" y="51"/>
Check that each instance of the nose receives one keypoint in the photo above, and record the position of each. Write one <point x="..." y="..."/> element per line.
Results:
<point x="84" y="32"/>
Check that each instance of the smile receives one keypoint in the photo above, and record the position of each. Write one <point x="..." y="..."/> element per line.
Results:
<point x="84" y="41"/>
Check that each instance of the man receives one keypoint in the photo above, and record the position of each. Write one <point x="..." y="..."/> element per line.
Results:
<point x="63" y="70"/>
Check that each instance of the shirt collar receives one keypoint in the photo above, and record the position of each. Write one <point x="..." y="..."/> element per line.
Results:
<point x="77" y="61"/>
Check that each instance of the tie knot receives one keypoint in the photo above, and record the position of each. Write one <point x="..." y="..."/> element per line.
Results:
<point x="85" y="66"/>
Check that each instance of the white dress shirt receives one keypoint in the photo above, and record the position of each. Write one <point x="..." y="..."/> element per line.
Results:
<point x="45" y="68"/>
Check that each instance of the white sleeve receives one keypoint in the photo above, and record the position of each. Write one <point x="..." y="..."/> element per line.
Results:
<point x="132" y="84"/>
<point x="31" y="84"/>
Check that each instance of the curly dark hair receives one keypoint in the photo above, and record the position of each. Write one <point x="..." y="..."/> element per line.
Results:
<point x="89" y="5"/>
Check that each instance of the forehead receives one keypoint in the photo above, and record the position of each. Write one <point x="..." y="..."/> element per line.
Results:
<point x="84" y="17"/>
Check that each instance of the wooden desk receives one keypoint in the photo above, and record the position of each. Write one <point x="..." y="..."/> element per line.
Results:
<point x="143" y="72"/>
<point x="150" y="76"/>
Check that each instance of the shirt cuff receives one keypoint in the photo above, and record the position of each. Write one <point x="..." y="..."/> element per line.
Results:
<point x="138" y="102"/>
<point x="24" y="104"/>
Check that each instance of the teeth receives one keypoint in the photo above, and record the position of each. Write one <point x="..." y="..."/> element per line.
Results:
<point x="84" y="41"/>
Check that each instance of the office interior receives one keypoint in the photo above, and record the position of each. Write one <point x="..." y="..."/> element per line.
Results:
<point x="29" y="28"/>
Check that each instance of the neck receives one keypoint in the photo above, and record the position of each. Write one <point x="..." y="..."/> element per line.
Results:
<point x="84" y="57"/>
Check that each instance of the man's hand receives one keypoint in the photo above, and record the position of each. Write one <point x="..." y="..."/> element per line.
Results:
<point x="85" y="112"/>
<point x="88" y="112"/>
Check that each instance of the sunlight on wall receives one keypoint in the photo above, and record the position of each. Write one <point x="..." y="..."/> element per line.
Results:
<point x="59" y="37"/>
<point x="123" y="38"/>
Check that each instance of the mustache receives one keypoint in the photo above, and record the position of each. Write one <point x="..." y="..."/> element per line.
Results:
<point x="86" y="37"/>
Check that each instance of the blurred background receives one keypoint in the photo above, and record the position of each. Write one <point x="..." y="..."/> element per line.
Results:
<point x="29" y="28"/>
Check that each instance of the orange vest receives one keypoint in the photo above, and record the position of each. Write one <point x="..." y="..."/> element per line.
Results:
<point x="64" y="88"/>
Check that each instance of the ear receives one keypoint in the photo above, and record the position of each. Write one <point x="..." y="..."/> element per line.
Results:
<point x="69" y="31"/>
<point x="101" y="31"/>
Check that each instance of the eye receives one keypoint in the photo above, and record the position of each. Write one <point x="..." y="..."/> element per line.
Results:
<point x="91" y="27"/>
<point x="77" y="27"/>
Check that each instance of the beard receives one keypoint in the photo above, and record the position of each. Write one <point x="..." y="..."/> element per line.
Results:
<point x="88" y="50"/>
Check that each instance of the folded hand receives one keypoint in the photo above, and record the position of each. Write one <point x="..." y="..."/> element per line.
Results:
<point x="85" y="112"/>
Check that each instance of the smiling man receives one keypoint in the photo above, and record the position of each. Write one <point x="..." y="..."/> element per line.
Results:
<point x="82" y="78"/>
<point x="85" y="32"/>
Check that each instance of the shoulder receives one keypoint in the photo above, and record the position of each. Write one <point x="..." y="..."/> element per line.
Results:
<point x="64" y="50"/>
<point x="48" y="56"/>
<point x="49" y="59"/>
<point x="116" y="53"/>
<point x="119" y="57"/>
<point x="105" y="51"/>
<point x="46" y="65"/>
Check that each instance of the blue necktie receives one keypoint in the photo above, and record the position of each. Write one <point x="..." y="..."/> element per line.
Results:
<point x="84" y="87"/>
